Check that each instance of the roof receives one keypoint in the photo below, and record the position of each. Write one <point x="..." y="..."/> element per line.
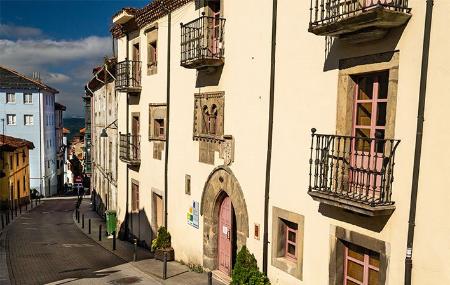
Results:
<point x="148" y="14"/>
<point x="66" y="131"/>
<point x="59" y="106"/>
<point x="11" y="79"/>
<point x="100" y="74"/>
<point x="11" y="143"/>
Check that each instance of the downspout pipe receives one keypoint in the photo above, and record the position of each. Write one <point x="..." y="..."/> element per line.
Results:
<point x="269" y="137"/>
<point x="419" y="139"/>
<point x="166" y="152"/>
<point x="127" y="230"/>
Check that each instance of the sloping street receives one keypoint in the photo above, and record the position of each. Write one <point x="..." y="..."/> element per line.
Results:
<point x="45" y="246"/>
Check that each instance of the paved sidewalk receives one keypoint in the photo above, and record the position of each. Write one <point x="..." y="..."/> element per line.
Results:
<point x="4" y="274"/>
<point x="176" y="272"/>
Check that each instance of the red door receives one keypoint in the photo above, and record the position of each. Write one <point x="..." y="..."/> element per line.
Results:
<point x="369" y="124"/>
<point x="225" y="227"/>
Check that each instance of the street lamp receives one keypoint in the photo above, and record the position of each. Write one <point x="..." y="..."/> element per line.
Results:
<point x="104" y="134"/>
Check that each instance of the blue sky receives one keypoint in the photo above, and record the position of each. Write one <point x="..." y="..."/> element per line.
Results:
<point x="62" y="39"/>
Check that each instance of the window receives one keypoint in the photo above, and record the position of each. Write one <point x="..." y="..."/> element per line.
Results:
<point x="291" y="240"/>
<point x="11" y="119"/>
<point x="157" y="119"/>
<point x="10" y="98"/>
<point x="17" y="159"/>
<point x="27" y="98"/>
<point x="159" y="128"/>
<point x="152" y="50"/>
<point x="361" y="266"/>
<point x="11" y="158"/>
<point x="134" y="197"/>
<point x="152" y="54"/>
<point x="28" y="120"/>
<point x="287" y="241"/>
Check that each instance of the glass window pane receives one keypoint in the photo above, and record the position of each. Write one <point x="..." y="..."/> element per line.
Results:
<point x="355" y="270"/>
<point x="363" y="114"/>
<point x="349" y="282"/>
<point x="383" y="83"/>
<point x="291" y="249"/>
<point x="365" y="91"/>
<point x="374" y="259"/>
<point x="292" y="236"/>
<point x="362" y="142"/>
<point x="373" y="277"/>
<point x="381" y="114"/>
<point x="379" y="134"/>
<point x="355" y="252"/>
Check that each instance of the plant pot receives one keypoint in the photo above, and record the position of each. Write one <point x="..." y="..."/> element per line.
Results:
<point x="159" y="254"/>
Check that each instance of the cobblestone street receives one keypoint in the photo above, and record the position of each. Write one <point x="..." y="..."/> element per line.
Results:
<point x="45" y="246"/>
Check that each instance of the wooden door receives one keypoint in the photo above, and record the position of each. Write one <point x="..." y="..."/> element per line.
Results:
<point x="135" y="126"/>
<point x="158" y="210"/>
<point x="369" y="124"/>
<point x="214" y="28"/>
<point x="225" y="236"/>
<point x="136" y="76"/>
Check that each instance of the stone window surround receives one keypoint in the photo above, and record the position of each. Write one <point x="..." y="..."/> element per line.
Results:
<point x="350" y="67"/>
<point x="153" y="108"/>
<point x="340" y="235"/>
<point x="294" y="268"/>
<point x="152" y="36"/>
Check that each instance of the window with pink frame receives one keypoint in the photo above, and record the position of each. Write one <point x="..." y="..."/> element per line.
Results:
<point x="290" y="240"/>
<point x="361" y="266"/>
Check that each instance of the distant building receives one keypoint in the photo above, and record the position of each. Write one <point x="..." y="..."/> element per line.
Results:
<point x="104" y="133"/>
<point x="14" y="172"/>
<point x="28" y="112"/>
<point x="66" y="132"/>
<point x="60" y="146"/>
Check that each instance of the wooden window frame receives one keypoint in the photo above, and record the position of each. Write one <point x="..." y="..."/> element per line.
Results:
<point x="154" y="108"/>
<point x="365" y="264"/>
<point x="287" y="255"/>
<point x="134" y="197"/>
<point x="159" y="128"/>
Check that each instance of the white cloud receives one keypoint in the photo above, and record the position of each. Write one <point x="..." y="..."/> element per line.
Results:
<point x="25" y="53"/>
<point x="19" y="32"/>
<point x="51" y="78"/>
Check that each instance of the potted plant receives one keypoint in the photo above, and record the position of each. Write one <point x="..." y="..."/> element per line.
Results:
<point x="246" y="270"/>
<point x="162" y="245"/>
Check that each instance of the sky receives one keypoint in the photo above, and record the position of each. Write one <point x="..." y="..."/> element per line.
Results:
<point x="63" y="40"/>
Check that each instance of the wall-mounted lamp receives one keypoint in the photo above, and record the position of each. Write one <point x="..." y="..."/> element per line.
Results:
<point x="104" y="134"/>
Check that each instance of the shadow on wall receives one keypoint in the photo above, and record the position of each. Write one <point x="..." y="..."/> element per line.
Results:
<point x="139" y="228"/>
<point x="375" y="224"/>
<point x="336" y="49"/>
<point x="208" y="77"/>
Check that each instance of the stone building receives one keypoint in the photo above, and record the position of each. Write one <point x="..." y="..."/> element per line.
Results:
<point x="104" y="150"/>
<point x="297" y="131"/>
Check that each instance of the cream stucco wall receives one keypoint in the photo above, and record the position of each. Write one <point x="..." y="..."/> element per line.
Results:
<point x="306" y="86"/>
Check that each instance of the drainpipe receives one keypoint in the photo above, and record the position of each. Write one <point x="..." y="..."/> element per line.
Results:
<point x="166" y="153"/>
<point x="419" y="138"/>
<point x="127" y="230"/>
<point x="269" y="137"/>
<point x="40" y="140"/>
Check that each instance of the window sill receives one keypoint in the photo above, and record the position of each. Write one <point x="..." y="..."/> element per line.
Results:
<point x="157" y="139"/>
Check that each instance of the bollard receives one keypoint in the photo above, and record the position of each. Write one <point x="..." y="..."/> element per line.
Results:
<point x="15" y="211"/>
<point x="165" y="266"/>
<point x="100" y="232"/>
<point x="20" y="209"/>
<point x="209" y="278"/>
<point x="7" y="218"/>
<point x="78" y="216"/>
<point x="12" y="214"/>
<point x="114" y="240"/>
<point x="135" y="250"/>
<point x="3" y="223"/>
<point x="26" y="206"/>
<point x="89" y="226"/>
<point x="82" y="221"/>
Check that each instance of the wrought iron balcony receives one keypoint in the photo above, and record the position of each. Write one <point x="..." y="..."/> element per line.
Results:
<point x="357" y="20"/>
<point x="130" y="149"/>
<point x="128" y="76"/>
<point x="354" y="173"/>
<point x="202" y="42"/>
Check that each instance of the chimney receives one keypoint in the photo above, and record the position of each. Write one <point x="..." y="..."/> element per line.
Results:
<point x="36" y="76"/>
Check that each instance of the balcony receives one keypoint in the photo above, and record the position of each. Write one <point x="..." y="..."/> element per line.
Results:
<point x="130" y="150"/>
<point x="357" y="20"/>
<point x="354" y="173"/>
<point x="128" y="76"/>
<point x="202" y="43"/>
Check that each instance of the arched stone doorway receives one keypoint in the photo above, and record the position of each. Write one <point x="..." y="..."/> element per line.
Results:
<point x="222" y="183"/>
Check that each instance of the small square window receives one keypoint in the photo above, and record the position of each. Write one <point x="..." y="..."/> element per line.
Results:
<point x="27" y="98"/>
<point x="10" y="98"/>
<point x="159" y="128"/>
<point x="11" y="119"/>
<point x="28" y="120"/>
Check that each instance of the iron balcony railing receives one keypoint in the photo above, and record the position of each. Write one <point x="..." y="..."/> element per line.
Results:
<point x="202" y="39"/>
<point x="323" y="12"/>
<point x="130" y="150"/>
<point x="128" y="74"/>
<point x="359" y="169"/>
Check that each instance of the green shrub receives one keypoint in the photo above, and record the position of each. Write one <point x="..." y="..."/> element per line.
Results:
<point x="246" y="271"/>
<point x="163" y="240"/>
